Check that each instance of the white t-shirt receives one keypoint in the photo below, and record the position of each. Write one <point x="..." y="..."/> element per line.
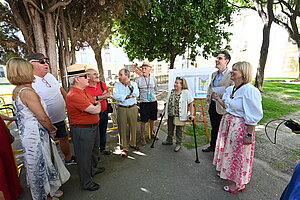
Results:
<point x="52" y="96"/>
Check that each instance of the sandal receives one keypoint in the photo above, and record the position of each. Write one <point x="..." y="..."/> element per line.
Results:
<point x="218" y="174"/>
<point x="227" y="189"/>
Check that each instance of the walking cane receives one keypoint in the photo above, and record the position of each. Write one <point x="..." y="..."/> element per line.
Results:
<point x="196" y="148"/>
<point x="162" y="115"/>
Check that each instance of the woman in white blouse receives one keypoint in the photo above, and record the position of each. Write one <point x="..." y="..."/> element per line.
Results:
<point x="179" y="101"/>
<point x="234" y="152"/>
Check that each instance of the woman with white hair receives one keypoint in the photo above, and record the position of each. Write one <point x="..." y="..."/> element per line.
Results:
<point x="234" y="152"/>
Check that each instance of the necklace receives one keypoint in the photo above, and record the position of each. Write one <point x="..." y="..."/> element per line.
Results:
<point x="234" y="89"/>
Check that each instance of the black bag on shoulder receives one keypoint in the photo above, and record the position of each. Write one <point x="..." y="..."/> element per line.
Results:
<point x="292" y="125"/>
<point x="109" y="106"/>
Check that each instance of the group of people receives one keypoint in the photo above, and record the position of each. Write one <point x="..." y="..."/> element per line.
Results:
<point x="40" y="104"/>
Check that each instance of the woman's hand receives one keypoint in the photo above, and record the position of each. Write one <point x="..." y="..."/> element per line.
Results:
<point x="247" y="140"/>
<point x="53" y="132"/>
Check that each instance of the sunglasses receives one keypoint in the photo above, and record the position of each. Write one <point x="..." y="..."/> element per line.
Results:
<point x="46" y="82"/>
<point x="41" y="61"/>
<point x="84" y="76"/>
<point x="179" y="77"/>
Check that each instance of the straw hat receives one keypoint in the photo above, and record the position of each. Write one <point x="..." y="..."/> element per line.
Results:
<point x="76" y="70"/>
<point x="146" y="63"/>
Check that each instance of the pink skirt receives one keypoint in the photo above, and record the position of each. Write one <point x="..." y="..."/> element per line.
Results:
<point x="232" y="158"/>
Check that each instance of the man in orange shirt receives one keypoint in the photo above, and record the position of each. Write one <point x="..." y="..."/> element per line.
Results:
<point x="83" y="112"/>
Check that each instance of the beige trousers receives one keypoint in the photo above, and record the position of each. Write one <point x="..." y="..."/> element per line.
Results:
<point x="127" y="116"/>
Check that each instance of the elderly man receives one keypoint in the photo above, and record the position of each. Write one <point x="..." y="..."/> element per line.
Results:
<point x="147" y="85"/>
<point x="221" y="79"/>
<point x="53" y="94"/>
<point x="100" y="92"/>
<point x="83" y="112"/>
<point x="125" y="94"/>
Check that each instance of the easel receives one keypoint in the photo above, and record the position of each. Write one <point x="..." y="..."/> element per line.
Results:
<point x="204" y="121"/>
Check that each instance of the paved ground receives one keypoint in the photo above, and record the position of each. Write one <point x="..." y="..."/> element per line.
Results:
<point x="160" y="173"/>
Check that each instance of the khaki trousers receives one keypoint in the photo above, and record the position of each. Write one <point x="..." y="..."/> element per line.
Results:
<point x="127" y="116"/>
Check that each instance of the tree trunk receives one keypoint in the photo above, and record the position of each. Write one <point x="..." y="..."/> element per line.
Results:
<point x="298" y="44"/>
<point x="51" y="43"/>
<point x="71" y="29"/>
<point x="20" y="16"/>
<point x="172" y="60"/>
<point x="98" y="57"/>
<point x="37" y="27"/>
<point x="62" y="61"/>
<point x="267" y="18"/>
<point x="259" y="79"/>
<point x="64" y="37"/>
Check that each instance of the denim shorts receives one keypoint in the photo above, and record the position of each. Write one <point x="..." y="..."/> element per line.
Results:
<point x="61" y="129"/>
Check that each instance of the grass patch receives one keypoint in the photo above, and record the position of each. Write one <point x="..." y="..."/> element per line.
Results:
<point x="278" y="78"/>
<point x="275" y="109"/>
<point x="200" y="135"/>
<point x="282" y="91"/>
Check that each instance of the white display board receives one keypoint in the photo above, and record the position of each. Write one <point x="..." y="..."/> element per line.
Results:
<point x="198" y="79"/>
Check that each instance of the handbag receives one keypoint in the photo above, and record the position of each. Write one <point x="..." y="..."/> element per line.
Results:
<point x="177" y="122"/>
<point x="294" y="126"/>
<point x="109" y="106"/>
<point x="60" y="167"/>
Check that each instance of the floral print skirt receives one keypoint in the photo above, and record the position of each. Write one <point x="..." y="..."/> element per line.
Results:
<point x="232" y="158"/>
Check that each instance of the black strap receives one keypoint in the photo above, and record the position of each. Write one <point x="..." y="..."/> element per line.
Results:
<point x="234" y="89"/>
<point x="103" y="91"/>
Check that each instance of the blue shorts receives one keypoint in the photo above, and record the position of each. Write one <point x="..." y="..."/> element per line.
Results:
<point x="61" y="129"/>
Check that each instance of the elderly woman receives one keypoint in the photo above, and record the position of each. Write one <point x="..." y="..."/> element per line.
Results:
<point x="179" y="100"/>
<point x="35" y="127"/>
<point x="236" y="138"/>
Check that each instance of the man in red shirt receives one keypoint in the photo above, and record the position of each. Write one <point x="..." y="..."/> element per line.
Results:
<point x="100" y="92"/>
<point x="83" y="113"/>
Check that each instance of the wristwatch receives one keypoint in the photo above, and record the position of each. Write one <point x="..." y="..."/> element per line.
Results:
<point x="249" y="134"/>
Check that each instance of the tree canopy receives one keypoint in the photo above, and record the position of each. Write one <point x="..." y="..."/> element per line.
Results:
<point x="169" y="27"/>
<point x="10" y="43"/>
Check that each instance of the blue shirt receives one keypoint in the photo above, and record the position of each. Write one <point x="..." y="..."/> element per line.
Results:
<point x="121" y="91"/>
<point x="218" y="78"/>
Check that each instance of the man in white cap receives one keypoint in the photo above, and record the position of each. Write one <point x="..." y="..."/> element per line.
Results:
<point x="147" y="85"/>
<point x="53" y="94"/>
<point x="83" y="112"/>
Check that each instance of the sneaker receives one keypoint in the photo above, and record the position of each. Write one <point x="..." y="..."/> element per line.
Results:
<point x="71" y="162"/>
<point x="58" y="193"/>
<point x="166" y="143"/>
<point x="177" y="147"/>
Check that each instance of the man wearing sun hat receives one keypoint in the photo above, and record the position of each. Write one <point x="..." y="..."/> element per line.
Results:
<point x="147" y="85"/>
<point x="83" y="112"/>
<point x="49" y="89"/>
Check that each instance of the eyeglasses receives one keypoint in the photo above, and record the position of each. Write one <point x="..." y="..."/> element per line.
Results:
<point x="41" y="61"/>
<point x="220" y="58"/>
<point x="46" y="82"/>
